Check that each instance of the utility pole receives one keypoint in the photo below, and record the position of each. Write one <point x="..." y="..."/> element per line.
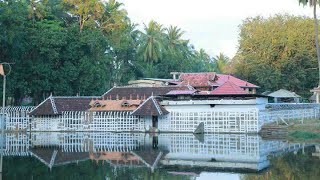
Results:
<point x="2" y="72"/>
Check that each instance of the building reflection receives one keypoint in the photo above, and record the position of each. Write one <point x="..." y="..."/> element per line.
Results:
<point x="214" y="152"/>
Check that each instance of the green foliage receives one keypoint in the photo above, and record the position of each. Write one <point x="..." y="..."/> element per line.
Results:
<point x="16" y="168"/>
<point x="84" y="47"/>
<point x="304" y="135"/>
<point x="278" y="52"/>
<point x="290" y="166"/>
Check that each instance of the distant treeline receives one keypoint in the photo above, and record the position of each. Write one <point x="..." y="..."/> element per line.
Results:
<point x="67" y="47"/>
<point x="278" y="52"/>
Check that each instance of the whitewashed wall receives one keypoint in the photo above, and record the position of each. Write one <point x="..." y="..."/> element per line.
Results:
<point x="240" y="121"/>
<point x="16" y="118"/>
<point x="89" y="121"/>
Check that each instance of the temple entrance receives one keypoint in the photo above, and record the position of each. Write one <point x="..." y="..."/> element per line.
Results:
<point x="155" y="121"/>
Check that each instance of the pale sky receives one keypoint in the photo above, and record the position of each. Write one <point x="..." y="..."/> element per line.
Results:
<point x="209" y="24"/>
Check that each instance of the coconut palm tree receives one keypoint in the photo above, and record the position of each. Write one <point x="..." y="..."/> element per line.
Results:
<point x="114" y="17"/>
<point x="221" y="62"/>
<point x="176" y="47"/>
<point x="36" y="9"/>
<point x="314" y="3"/>
<point x="84" y="10"/>
<point x="152" y="42"/>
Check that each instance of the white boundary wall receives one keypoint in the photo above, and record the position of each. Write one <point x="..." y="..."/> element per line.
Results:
<point x="226" y="121"/>
<point x="231" y="119"/>
<point x="16" y="117"/>
<point x="89" y="121"/>
<point x="279" y="112"/>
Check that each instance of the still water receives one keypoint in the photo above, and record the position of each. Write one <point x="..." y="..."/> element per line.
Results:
<point x="103" y="155"/>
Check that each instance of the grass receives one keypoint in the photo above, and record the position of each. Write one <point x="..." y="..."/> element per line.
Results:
<point x="304" y="135"/>
<point x="306" y="132"/>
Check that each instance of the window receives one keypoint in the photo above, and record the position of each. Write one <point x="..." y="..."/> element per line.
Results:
<point x="125" y="104"/>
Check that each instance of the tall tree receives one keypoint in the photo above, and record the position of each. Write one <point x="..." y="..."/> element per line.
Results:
<point x="314" y="3"/>
<point x="175" y="45"/>
<point x="221" y="62"/>
<point x="114" y="18"/>
<point x="85" y="10"/>
<point x="152" y="42"/>
<point x="275" y="49"/>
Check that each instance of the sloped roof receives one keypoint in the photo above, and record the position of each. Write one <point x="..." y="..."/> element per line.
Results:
<point x="180" y="92"/>
<point x="228" y="88"/>
<point x="114" y="105"/>
<point x="203" y="79"/>
<point x="139" y="92"/>
<point x="150" y="107"/>
<point x="282" y="93"/>
<point x="222" y="78"/>
<point x="121" y="158"/>
<point x="56" y="105"/>
<point x="46" y="154"/>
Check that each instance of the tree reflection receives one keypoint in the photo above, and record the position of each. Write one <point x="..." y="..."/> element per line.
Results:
<point x="291" y="166"/>
<point x="17" y="168"/>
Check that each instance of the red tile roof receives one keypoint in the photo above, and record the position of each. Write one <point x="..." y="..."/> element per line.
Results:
<point x="228" y="88"/>
<point x="222" y="78"/>
<point x="150" y="107"/>
<point x="198" y="79"/>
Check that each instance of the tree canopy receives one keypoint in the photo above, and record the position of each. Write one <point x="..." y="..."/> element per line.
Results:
<point x="277" y="52"/>
<point x="73" y="47"/>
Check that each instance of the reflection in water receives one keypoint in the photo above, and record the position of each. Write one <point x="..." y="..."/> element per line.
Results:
<point x="104" y="155"/>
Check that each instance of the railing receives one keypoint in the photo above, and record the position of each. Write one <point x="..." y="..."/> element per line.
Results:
<point x="283" y="112"/>
<point x="16" y="117"/>
<point x="215" y="120"/>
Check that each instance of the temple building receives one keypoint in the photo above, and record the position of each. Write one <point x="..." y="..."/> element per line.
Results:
<point x="202" y="81"/>
<point x="190" y="102"/>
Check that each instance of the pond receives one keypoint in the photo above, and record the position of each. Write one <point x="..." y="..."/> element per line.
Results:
<point x="105" y="155"/>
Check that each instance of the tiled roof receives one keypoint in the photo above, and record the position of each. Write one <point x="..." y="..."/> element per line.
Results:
<point x="282" y="93"/>
<point x="228" y="88"/>
<point x="139" y="92"/>
<point x="45" y="155"/>
<point x="114" y="105"/>
<point x="150" y="107"/>
<point x="181" y="92"/>
<point x="119" y="157"/>
<point x="197" y="79"/>
<point x="56" y="105"/>
<point x="222" y="78"/>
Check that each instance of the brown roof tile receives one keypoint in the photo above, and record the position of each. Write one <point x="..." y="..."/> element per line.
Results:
<point x="75" y="103"/>
<point x="114" y="105"/>
<point x="45" y="154"/>
<point x="150" y="107"/>
<point x="140" y="92"/>
<point x="198" y="79"/>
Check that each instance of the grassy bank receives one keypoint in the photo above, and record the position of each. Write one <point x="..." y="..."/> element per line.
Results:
<point x="308" y="131"/>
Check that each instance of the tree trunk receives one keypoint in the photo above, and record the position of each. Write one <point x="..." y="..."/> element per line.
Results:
<point x="316" y="30"/>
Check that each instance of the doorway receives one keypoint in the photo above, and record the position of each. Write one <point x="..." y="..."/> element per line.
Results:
<point x="155" y="121"/>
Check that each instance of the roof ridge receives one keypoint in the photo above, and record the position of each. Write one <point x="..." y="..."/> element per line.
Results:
<point x="157" y="105"/>
<point x="75" y="96"/>
<point x="149" y="87"/>
<point x="53" y="105"/>
<point x="40" y="104"/>
<point x="140" y="105"/>
<point x="198" y="72"/>
<point x="108" y="91"/>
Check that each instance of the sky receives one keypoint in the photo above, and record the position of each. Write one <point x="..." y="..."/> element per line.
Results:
<point x="209" y="24"/>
